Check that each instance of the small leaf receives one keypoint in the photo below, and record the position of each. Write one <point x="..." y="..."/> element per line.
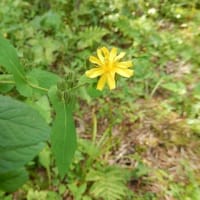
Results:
<point x="44" y="108"/>
<point x="44" y="157"/>
<point x="45" y="161"/>
<point x="77" y="191"/>
<point x="63" y="138"/>
<point x="178" y="87"/>
<point x="140" y="170"/>
<point x="50" y="20"/>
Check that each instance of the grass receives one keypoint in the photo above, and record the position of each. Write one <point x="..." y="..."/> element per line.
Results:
<point x="146" y="132"/>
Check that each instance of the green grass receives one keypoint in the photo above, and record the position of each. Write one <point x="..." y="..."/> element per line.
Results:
<point x="143" y="137"/>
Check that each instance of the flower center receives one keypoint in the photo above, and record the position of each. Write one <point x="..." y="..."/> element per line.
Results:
<point x="108" y="66"/>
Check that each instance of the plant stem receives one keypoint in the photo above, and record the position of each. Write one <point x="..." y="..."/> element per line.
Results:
<point x="8" y="82"/>
<point x="94" y="131"/>
<point x="30" y="84"/>
<point x="78" y="86"/>
<point x="156" y="87"/>
<point x="38" y="87"/>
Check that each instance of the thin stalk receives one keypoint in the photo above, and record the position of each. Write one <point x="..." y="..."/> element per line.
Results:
<point x="94" y="131"/>
<point x="38" y="87"/>
<point x="7" y="82"/>
<point x="156" y="87"/>
<point x="78" y="86"/>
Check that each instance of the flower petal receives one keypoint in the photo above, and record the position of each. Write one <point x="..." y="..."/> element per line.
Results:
<point x="124" y="72"/>
<point x="93" y="73"/>
<point x="113" y="54"/>
<point x="120" y="56"/>
<point x="105" y="51"/>
<point x="94" y="60"/>
<point x="100" y="56"/>
<point x="125" y="64"/>
<point x="111" y="80"/>
<point x="101" y="82"/>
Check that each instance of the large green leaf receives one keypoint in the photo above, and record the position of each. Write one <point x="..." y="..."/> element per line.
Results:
<point x="44" y="78"/>
<point x="12" y="180"/>
<point x="23" y="133"/>
<point x="63" y="137"/>
<point x="10" y="61"/>
<point x="6" y="83"/>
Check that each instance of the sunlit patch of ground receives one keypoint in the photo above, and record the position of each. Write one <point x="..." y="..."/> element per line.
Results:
<point x="159" y="138"/>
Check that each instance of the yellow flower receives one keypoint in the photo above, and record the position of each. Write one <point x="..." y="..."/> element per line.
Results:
<point x="107" y="65"/>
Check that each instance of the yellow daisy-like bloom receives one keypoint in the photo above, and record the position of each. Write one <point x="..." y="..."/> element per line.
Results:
<point x="107" y="65"/>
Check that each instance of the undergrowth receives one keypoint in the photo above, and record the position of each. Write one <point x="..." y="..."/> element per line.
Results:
<point x="139" y="141"/>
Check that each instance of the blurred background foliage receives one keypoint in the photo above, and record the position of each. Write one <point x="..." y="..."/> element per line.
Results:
<point x="140" y="141"/>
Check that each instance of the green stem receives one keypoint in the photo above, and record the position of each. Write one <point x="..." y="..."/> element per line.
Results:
<point x="78" y="86"/>
<point x="49" y="175"/>
<point x="38" y="87"/>
<point x="156" y="87"/>
<point x="30" y="84"/>
<point x="94" y="131"/>
<point x="7" y="82"/>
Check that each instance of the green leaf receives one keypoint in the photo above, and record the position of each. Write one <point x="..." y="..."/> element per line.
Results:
<point x="45" y="160"/>
<point x="12" y="180"/>
<point x="196" y="91"/>
<point x="90" y="35"/>
<point x="93" y="92"/>
<point x="23" y="134"/>
<point x="35" y="194"/>
<point x="178" y="87"/>
<point x="63" y="138"/>
<point x="42" y="105"/>
<point x="77" y="191"/>
<point x="6" y="83"/>
<point x="109" y="183"/>
<point x="44" y="157"/>
<point x="44" y="78"/>
<point x="44" y="49"/>
<point x="50" y="20"/>
<point x="10" y="61"/>
<point x="140" y="170"/>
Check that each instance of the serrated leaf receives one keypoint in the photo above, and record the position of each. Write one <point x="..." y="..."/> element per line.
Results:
<point x="10" y="61"/>
<point x="12" y="180"/>
<point x="124" y="25"/>
<point x="91" y="35"/>
<point x="23" y="133"/>
<point x="44" y="50"/>
<point x="63" y="137"/>
<point x="109" y="183"/>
